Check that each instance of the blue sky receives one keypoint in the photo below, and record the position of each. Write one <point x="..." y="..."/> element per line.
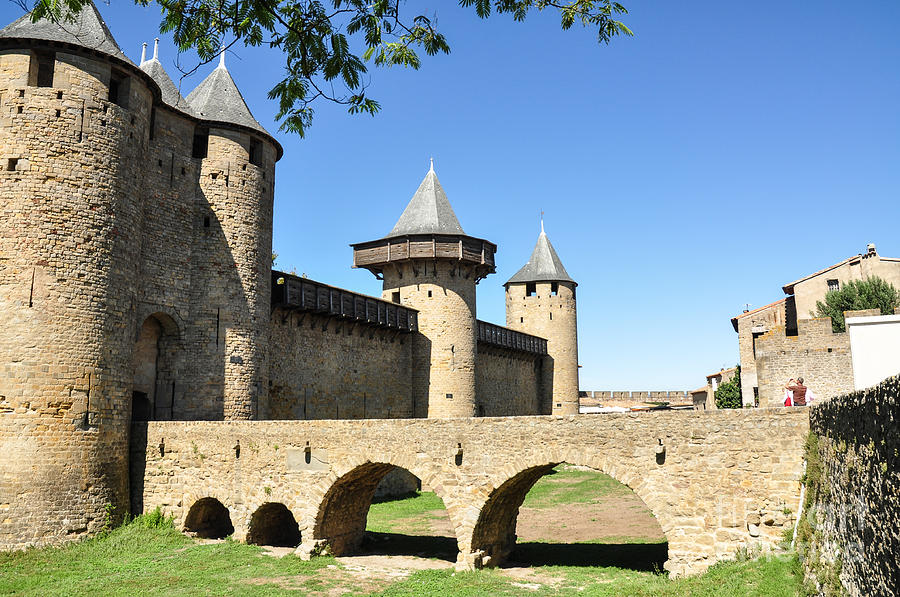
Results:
<point x="725" y="150"/>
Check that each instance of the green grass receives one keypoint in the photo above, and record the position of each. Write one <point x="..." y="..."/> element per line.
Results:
<point x="147" y="559"/>
<point x="139" y="558"/>
<point x="410" y="514"/>
<point x="567" y="485"/>
<point x="771" y="576"/>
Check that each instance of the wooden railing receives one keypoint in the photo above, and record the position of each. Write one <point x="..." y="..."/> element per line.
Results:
<point x="496" y="335"/>
<point x="293" y="292"/>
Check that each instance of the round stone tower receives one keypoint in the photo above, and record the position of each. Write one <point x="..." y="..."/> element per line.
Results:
<point x="74" y="125"/>
<point x="237" y="178"/>
<point x="428" y="263"/>
<point x="540" y="300"/>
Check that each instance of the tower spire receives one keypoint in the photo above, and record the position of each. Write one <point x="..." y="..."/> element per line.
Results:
<point x="431" y="168"/>
<point x="156" y="48"/>
<point x="143" y="52"/>
<point x="222" y="56"/>
<point x="542" y="221"/>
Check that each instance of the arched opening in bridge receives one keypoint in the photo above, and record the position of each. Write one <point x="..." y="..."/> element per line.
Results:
<point x="208" y="519"/>
<point x="405" y="521"/>
<point x="560" y="514"/>
<point x="155" y="363"/>
<point x="273" y="524"/>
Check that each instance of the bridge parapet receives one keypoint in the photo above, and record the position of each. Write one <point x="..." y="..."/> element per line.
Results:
<point x="716" y="480"/>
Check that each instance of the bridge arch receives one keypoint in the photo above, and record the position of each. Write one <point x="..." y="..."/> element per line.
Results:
<point x="344" y="502"/>
<point x="273" y="524"/>
<point x="493" y="535"/>
<point x="208" y="518"/>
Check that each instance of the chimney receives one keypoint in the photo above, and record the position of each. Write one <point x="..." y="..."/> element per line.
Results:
<point x="870" y="249"/>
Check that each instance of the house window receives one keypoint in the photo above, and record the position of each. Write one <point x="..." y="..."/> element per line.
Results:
<point x="833" y="285"/>
<point x="395" y="297"/>
<point x="530" y="289"/>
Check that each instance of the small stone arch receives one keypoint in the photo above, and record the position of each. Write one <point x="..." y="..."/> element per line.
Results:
<point x="208" y="518"/>
<point x="340" y="520"/>
<point x="156" y="364"/>
<point x="273" y="524"/>
<point x="494" y="534"/>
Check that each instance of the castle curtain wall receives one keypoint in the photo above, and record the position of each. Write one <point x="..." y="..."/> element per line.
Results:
<point x="508" y="382"/>
<point x="324" y="368"/>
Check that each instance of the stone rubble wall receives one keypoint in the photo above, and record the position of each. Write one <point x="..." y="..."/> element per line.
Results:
<point x="854" y="517"/>
<point x="724" y="480"/>
<point x="508" y="382"/>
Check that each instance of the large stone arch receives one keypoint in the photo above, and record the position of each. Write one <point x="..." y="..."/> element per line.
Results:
<point x="493" y="533"/>
<point x="342" y="501"/>
<point x="157" y="363"/>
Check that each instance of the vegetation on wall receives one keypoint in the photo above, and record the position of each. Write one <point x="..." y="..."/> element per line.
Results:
<point x="728" y="394"/>
<point x="871" y="293"/>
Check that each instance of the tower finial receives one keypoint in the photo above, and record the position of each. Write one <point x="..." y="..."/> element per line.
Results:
<point x="156" y="49"/>
<point x="431" y="168"/>
<point x="143" y="52"/>
<point x="222" y="56"/>
<point x="542" y="221"/>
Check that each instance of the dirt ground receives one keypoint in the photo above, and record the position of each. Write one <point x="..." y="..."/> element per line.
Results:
<point x="609" y="518"/>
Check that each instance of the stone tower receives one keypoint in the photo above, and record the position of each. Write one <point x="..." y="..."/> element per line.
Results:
<point x="428" y="263"/>
<point x="75" y="114"/>
<point x="540" y="300"/>
<point x="135" y="254"/>
<point x="237" y="172"/>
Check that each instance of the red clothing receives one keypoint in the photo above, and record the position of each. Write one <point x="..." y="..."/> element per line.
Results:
<point x="799" y="395"/>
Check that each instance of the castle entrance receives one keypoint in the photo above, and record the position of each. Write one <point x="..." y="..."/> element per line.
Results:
<point x="156" y="360"/>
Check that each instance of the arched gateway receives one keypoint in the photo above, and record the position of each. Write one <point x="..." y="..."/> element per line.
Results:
<point x="716" y="481"/>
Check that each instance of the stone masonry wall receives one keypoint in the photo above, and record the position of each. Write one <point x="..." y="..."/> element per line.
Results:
<point x="816" y="354"/>
<point x="70" y="219"/>
<point x="508" y="382"/>
<point x="853" y="526"/>
<point x="724" y="480"/>
<point x="325" y="368"/>
<point x="554" y="317"/>
<point x="445" y="350"/>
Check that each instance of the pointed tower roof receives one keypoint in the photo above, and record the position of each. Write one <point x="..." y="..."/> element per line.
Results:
<point x="544" y="264"/>
<point x="428" y="212"/>
<point x="86" y="29"/>
<point x="217" y="98"/>
<point x="170" y="94"/>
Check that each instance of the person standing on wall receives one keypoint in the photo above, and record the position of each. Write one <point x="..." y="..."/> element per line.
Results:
<point x="798" y="392"/>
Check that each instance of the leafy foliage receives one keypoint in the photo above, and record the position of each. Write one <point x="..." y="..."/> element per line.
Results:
<point x="871" y="293"/>
<point x="728" y="394"/>
<point x="315" y="38"/>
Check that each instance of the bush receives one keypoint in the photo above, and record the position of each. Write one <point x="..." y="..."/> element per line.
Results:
<point x="728" y="394"/>
<point x="871" y="293"/>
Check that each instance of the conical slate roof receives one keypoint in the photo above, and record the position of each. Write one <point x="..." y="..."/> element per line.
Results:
<point x="543" y="266"/>
<point x="428" y="212"/>
<point x="218" y="99"/>
<point x="170" y="94"/>
<point x="87" y="29"/>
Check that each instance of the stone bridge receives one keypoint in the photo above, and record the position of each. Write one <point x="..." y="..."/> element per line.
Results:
<point x="715" y="480"/>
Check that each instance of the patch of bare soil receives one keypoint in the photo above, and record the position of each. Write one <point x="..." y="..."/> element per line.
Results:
<point x="611" y="517"/>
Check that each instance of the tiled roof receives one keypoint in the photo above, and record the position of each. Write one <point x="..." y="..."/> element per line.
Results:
<point x="86" y="29"/>
<point x="428" y="212"/>
<point x="544" y="264"/>
<point x="218" y="99"/>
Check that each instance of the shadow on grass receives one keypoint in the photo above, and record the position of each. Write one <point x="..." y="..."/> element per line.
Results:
<point x="647" y="557"/>
<point x="397" y="544"/>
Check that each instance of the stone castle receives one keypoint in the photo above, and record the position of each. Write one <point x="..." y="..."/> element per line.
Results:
<point x="136" y="284"/>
